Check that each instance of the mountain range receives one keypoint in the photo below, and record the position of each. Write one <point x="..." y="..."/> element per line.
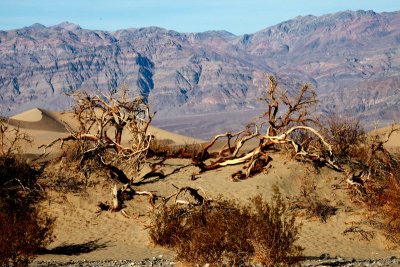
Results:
<point x="352" y="59"/>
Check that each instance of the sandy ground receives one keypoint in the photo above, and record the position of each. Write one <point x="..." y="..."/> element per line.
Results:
<point x="394" y="140"/>
<point x="84" y="234"/>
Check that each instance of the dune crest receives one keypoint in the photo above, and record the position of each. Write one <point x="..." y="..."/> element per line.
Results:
<point x="38" y="119"/>
<point x="32" y="115"/>
<point x="45" y="126"/>
<point x="394" y="140"/>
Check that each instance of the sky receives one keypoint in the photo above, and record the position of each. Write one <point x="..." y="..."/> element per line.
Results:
<point x="235" y="16"/>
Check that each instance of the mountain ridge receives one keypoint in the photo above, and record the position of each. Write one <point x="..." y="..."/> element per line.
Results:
<point x="352" y="58"/>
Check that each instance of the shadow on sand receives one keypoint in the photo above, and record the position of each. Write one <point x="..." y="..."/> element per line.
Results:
<point x="74" y="249"/>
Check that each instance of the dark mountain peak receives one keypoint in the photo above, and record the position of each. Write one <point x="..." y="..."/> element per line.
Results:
<point x="152" y="29"/>
<point x="350" y="15"/>
<point x="154" y="33"/>
<point x="37" y="26"/>
<point x="218" y="33"/>
<point x="366" y="12"/>
<point x="204" y="36"/>
<point x="341" y="23"/>
<point x="67" y="26"/>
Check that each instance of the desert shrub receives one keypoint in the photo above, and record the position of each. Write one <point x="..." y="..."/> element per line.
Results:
<point x="22" y="234"/>
<point x="305" y="139"/>
<point x="24" y="227"/>
<point x="383" y="199"/>
<point x="344" y="134"/>
<point x="309" y="201"/>
<point x="66" y="182"/>
<point x="274" y="233"/>
<point x="76" y="169"/>
<point x="166" y="149"/>
<point x="225" y="233"/>
<point x="187" y="150"/>
<point x="160" y="148"/>
<point x="391" y="209"/>
<point x="11" y="138"/>
<point x="377" y="184"/>
<point x="74" y="151"/>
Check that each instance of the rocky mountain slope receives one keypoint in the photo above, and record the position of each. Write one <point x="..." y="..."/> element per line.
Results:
<point x="352" y="59"/>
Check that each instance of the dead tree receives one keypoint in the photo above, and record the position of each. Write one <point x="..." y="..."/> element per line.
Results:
<point x="284" y="111"/>
<point x="112" y="128"/>
<point x="112" y="131"/>
<point x="283" y="117"/>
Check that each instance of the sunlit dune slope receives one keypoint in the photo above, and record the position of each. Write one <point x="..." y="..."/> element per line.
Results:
<point x="44" y="126"/>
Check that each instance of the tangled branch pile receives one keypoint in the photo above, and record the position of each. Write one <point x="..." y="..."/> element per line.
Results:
<point x="112" y="129"/>
<point x="285" y="119"/>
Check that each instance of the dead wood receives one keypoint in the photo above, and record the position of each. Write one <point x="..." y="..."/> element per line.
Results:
<point x="104" y="122"/>
<point x="356" y="181"/>
<point x="111" y="134"/>
<point x="116" y="205"/>
<point x="284" y="116"/>
<point x="182" y="192"/>
<point x="124" y="192"/>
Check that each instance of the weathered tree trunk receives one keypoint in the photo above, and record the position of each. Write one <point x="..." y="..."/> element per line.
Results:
<point x="116" y="205"/>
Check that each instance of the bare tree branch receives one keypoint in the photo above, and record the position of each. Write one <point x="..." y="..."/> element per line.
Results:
<point x="284" y="116"/>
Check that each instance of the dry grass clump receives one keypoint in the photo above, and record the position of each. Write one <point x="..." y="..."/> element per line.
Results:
<point x="24" y="228"/>
<point x="226" y="233"/>
<point x="166" y="149"/>
<point x="71" y="172"/>
<point x="345" y="135"/>
<point x="309" y="201"/>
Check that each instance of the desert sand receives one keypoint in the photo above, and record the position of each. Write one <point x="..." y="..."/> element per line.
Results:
<point x="394" y="140"/>
<point x="82" y="233"/>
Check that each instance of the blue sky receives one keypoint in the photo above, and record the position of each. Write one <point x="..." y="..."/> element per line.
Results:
<point x="236" y="16"/>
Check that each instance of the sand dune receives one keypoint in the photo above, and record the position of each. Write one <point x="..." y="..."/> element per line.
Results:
<point x="174" y="138"/>
<point x="38" y="119"/>
<point x="114" y="236"/>
<point x="394" y="140"/>
<point x="119" y="237"/>
<point x="44" y="126"/>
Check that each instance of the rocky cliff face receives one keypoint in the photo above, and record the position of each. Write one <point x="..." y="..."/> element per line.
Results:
<point x="352" y="59"/>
